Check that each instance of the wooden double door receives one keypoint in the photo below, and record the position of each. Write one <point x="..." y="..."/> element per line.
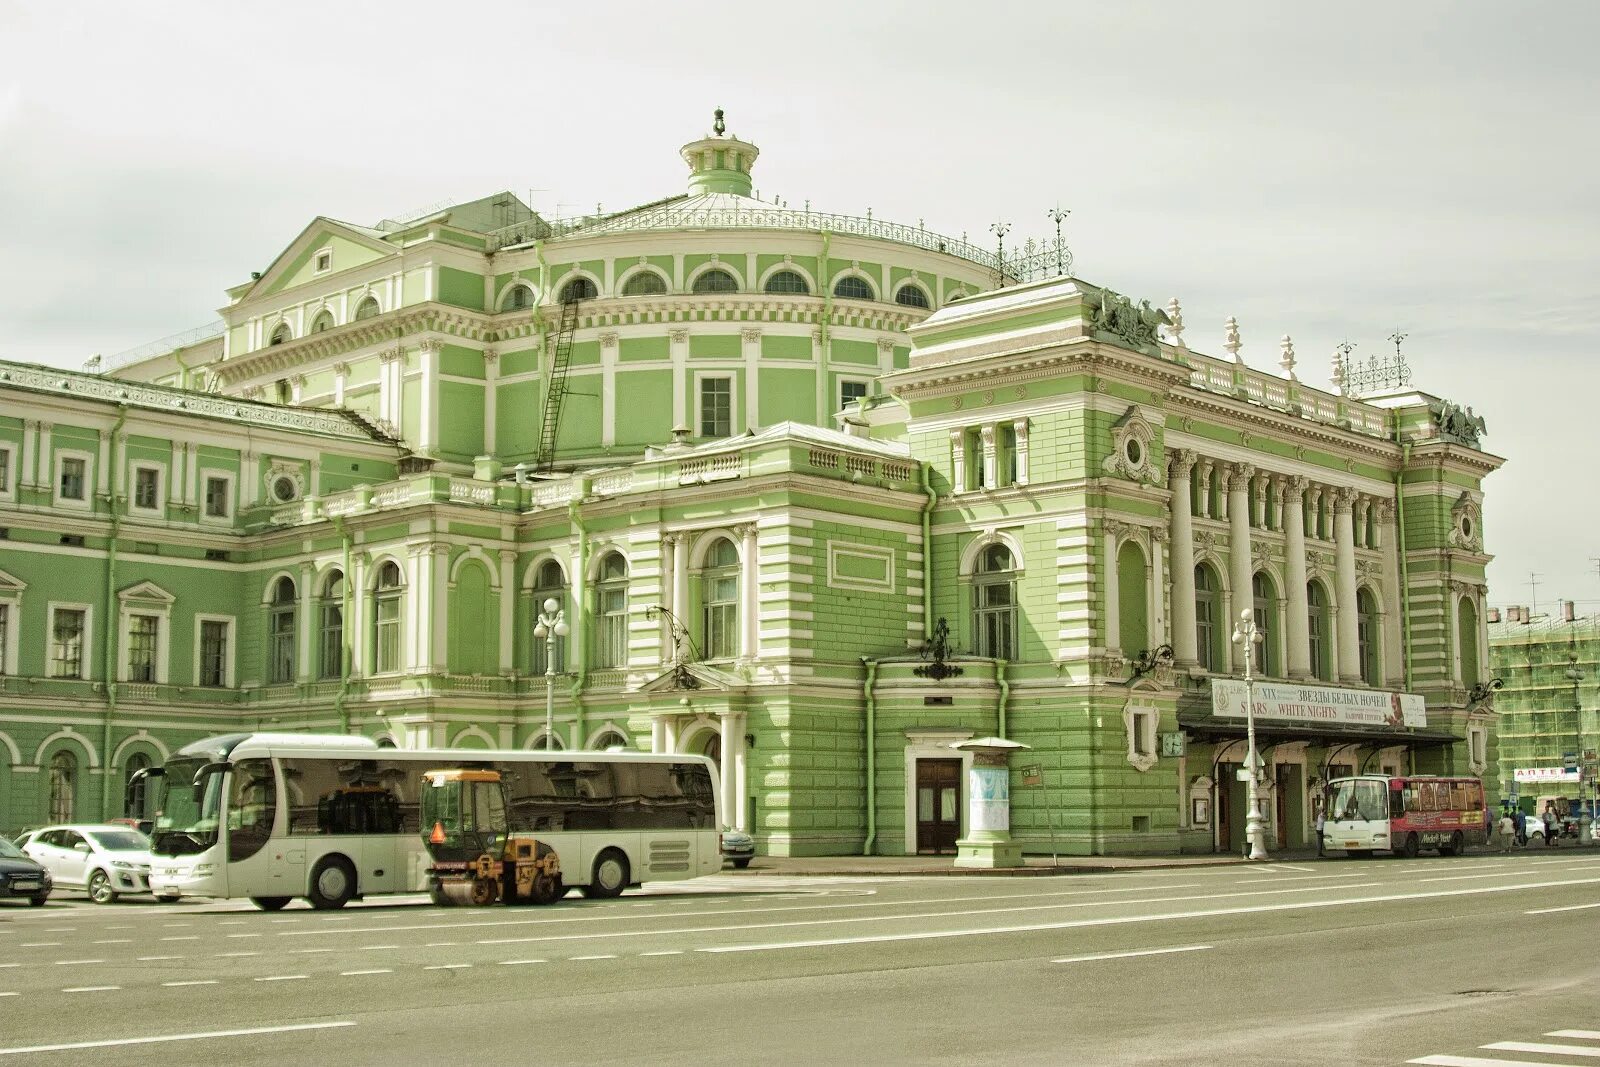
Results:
<point x="938" y="806"/>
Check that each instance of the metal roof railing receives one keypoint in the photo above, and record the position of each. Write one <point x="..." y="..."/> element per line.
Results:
<point x="164" y="345"/>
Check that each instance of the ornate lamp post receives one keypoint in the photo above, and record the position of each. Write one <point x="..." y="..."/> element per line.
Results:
<point x="1246" y="634"/>
<point x="1575" y="675"/>
<point x="552" y="624"/>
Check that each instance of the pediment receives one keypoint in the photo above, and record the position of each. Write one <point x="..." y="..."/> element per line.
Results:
<point x="692" y="678"/>
<point x="11" y="584"/>
<point x="148" y="593"/>
<point x="284" y="270"/>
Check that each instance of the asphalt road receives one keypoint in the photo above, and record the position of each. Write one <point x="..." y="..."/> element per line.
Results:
<point x="1328" y="962"/>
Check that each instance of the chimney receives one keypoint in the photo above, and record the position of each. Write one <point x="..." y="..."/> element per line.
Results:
<point x="1494" y="614"/>
<point x="1567" y="614"/>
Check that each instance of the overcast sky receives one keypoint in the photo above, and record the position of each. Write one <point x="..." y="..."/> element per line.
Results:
<point x="1330" y="171"/>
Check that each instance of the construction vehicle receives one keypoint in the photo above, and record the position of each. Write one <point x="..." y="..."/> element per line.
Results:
<point x="476" y="858"/>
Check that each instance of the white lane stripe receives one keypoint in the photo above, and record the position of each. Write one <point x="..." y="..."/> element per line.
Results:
<point x="244" y="935"/>
<point x="1582" y="1035"/>
<point x="447" y="966"/>
<point x="518" y="963"/>
<point x="41" y="944"/>
<point x="1136" y="952"/>
<point x="376" y="946"/>
<point x="4" y="965"/>
<point x="72" y="963"/>
<point x="203" y="981"/>
<point x="281" y="978"/>
<point x="304" y="951"/>
<point x="93" y="989"/>
<point x="185" y="937"/>
<point x="574" y="959"/>
<point x="1544" y="1047"/>
<point x="172" y="1037"/>
<point x="669" y="952"/>
<point x="1477" y="1061"/>
<point x="375" y="970"/>
<point x="1287" y="867"/>
<point x="1569" y="907"/>
<point x="10" y="994"/>
<point x="235" y="955"/>
<point x="1207" y="913"/>
<point x="154" y="959"/>
<point x="115" y="941"/>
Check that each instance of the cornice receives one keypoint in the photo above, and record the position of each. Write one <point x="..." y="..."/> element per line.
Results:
<point x="1283" y="423"/>
<point x="1031" y="364"/>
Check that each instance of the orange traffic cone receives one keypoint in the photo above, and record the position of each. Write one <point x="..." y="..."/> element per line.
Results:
<point x="437" y="837"/>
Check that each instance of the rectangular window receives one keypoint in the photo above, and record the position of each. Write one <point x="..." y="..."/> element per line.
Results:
<point x="213" y="652"/>
<point x="5" y="635"/>
<point x="217" y="498"/>
<point x="612" y="646"/>
<point x="850" y="392"/>
<point x="74" y="476"/>
<point x="722" y="616"/>
<point x="973" y="440"/>
<point x="5" y="470"/>
<point x="143" y="631"/>
<point x="332" y="659"/>
<point x="281" y="668"/>
<point x="66" y="643"/>
<point x="1006" y="461"/>
<point x="386" y="637"/>
<point x="716" y="407"/>
<point x="324" y="260"/>
<point x="146" y="488"/>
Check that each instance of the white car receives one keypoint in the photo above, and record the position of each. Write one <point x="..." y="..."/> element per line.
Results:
<point x="103" y="861"/>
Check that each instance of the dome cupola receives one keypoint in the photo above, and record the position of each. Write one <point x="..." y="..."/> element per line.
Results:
<point x="720" y="163"/>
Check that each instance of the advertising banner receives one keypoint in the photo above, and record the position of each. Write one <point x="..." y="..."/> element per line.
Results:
<point x="1291" y="702"/>
<point x="1546" y="774"/>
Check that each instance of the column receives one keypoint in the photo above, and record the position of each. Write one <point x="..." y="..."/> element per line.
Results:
<point x="427" y="434"/>
<point x="1112" y="612"/>
<point x="658" y="736"/>
<point x="670" y="734"/>
<point x="1239" y="558"/>
<point x="750" y="601"/>
<point x="990" y="467"/>
<point x="307" y="624"/>
<point x="249" y="480"/>
<point x="508" y="606"/>
<point x="609" y="347"/>
<point x="1389" y="542"/>
<point x="1296" y="628"/>
<point x="1344" y="552"/>
<point x="1207" y="468"/>
<point x="1019" y="428"/>
<point x="491" y="401"/>
<point x="1156" y="599"/>
<point x="958" y="452"/>
<point x="414" y="637"/>
<point x="741" y="775"/>
<point x="1183" y="642"/>
<point x="678" y="347"/>
<point x="355" y="622"/>
<point x="341" y="375"/>
<point x="680" y="581"/>
<point x="750" y="351"/>
<point x="30" y="449"/>
<point x="436" y="619"/>
<point x="729" y="742"/>
<point x="1452" y="613"/>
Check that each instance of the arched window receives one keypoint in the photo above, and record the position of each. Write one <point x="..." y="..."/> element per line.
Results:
<point x="712" y="749"/>
<point x="719" y="601"/>
<point x="386" y="619"/>
<point x="281" y="335"/>
<point x="644" y="283"/>
<point x="134" y="785"/>
<point x="548" y="584"/>
<point x="547" y="743"/>
<point x="787" y="281"/>
<point x="611" y="738"/>
<point x="368" y="309"/>
<point x="851" y="287"/>
<point x="994" y="603"/>
<point x="1207" y="611"/>
<point x="518" y="298"/>
<point x="911" y="296"/>
<point x="611" y="613"/>
<point x="323" y="322"/>
<point x="1264" y="603"/>
<point x="715" y="281"/>
<point x="1317" y="630"/>
<point x="1467" y="633"/>
<point x="1367" y="643"/>
<point x="578" y="289"/>
<point x="331" y="628"/>
<point x="63" y="786"/>
<point x="281" y="632"/>
<point x="1133" y="613"/>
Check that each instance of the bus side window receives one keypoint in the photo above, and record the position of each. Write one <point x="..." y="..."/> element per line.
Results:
<point x="1397" y="804"/>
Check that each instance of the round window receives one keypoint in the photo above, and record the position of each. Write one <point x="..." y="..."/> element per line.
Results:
<point x="1133" y="451"/>
<point x="283" y="488"/>
<point x="1466" y="526"/>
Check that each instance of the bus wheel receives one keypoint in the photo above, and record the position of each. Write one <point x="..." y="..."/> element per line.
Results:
<point x="610" y="876"/>
<point x="333" y="883"/>
<point x="268" y="903"/>
<point x="1409" y="849"/>
<point x="1456" y="847"/>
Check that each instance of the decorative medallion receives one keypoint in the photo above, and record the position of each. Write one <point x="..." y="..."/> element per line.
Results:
<point x="1130" y="448"/>
<point x="1466" y="524"/>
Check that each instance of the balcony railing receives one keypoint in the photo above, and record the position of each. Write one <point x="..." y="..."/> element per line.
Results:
<point x="1270" y="391"/>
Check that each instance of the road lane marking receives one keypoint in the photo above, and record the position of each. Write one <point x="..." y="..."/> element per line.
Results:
<point x="1582" y="1035"/>
<point x="73" y="963"/>
<point x="281" y="978"/>
<point x="115" y="941"/>
<point x="202" y="981"/>
<point x="1207" y="913"/>
<point x="1588" y="1051"/>
<point x="1477" y="1061"/>
<point x="668" y="952"/>
<point x="41" y="944"/>
<point x="93" y="989"/>
<point x="154" y="959"/>
<point x="503" y="963"/>
<point x="2" y="965"/>
<point x="203" y="1036"/>
<point x="244" y="935"/>
<point x="304" y="951"/>
<point x="447" y="967"/>
<point x="376" y="946"/>
<point x="10" y="994"/>
<point x="375" y="970"/>
<point x="185" y="937"/>
<point x="576" y="959"/>
<point x="442" y="944"/>
<point x="235" y="955"/>
<point x="1569" y="907"/>
<point x="1136" y="952"/>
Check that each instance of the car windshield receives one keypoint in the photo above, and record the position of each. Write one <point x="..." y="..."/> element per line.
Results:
<point x="1358" y="800"/>
<point x="9" y="851"/>
<point x="186" y="823"/>
<point x="120" y="840"/>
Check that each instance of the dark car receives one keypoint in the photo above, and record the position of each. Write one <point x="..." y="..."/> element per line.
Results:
<point x="21" y="876"/>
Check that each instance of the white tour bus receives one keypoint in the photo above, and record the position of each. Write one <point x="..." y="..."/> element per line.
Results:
<point x="331" y="818"/>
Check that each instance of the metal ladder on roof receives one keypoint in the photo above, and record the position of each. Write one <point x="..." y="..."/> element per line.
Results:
<point x="557" y="391"/>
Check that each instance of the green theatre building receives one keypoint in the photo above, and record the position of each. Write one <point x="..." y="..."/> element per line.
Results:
<point x="817" y="495"/>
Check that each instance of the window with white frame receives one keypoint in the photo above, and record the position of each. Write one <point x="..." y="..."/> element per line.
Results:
<point x="330" y="664"/>
<point x="143" y="638"/>
<point x="146" y="487"/>
<point x="368" y="309"/>
<point x="214" y="652"/>
<point x="69" y="637"/>
<point x="281" y="636"/>
<point x="5" y="639"/>
<point x="719" y="601"/>
<point x="716" y="406"/>
<point x="611" y="612"/>
<point x="644" y="283"/>
<point x="1141" y="722"/>
<point x="386" y="619"/>
<point x="1478" y="746"/>
<point x="549" y="584"/>
<point x="219" y="495"/>
<point x="281" y="335"/>
<point x="324" y="260"/>
<point x="851" y="390"/>
<point x="72" y="479"/>
<point x="6" y="465"/>
<point x="63" y="786"/>
<point x="323" y="322"/>
<point x="852" y="287"/>
<point x="994" y="603"/>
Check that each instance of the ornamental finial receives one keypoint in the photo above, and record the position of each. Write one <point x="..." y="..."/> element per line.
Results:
<point x="718" y="127"/>
<point x="1175" y="325"/>
<point x="1286" y="361"/>
<point x="1230" y="337"/>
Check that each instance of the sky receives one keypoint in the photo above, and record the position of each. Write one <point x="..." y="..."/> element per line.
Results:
<point x="1333" y="172"/>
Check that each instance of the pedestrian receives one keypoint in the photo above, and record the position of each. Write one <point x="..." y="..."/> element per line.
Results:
<point x="1322" y="819"/>
<point x="1508" y="831"/>
<point x="1520" y="823"/>
<point x="1552" y="824"/>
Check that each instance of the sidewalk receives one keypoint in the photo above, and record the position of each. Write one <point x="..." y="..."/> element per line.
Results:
<point x="895" y="866"/>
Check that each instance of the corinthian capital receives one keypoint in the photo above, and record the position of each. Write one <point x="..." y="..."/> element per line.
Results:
<point x="1180" y="462"/>
<point x="1239" y="475"/>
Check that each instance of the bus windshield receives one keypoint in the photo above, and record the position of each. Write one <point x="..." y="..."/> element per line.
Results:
<point x="1358" y="800"/>
<point x="185" y="824"/>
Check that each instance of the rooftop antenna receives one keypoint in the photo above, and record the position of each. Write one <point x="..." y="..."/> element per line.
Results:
<point x="1533" y="582"/>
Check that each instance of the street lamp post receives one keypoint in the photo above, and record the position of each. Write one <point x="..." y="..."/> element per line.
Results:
<point x="1246" y="634"/>
<point x="552" y="624"/>
<point x="1575" y="675"/>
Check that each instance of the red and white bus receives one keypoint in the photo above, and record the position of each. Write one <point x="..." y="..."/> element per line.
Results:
<point x="1404" y="815"/>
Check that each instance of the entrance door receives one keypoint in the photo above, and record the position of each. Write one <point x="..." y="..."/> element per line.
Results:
<point x="1289" y="804"/>
<point x="1233" y="807"/>
<point x="938" y="806"/>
